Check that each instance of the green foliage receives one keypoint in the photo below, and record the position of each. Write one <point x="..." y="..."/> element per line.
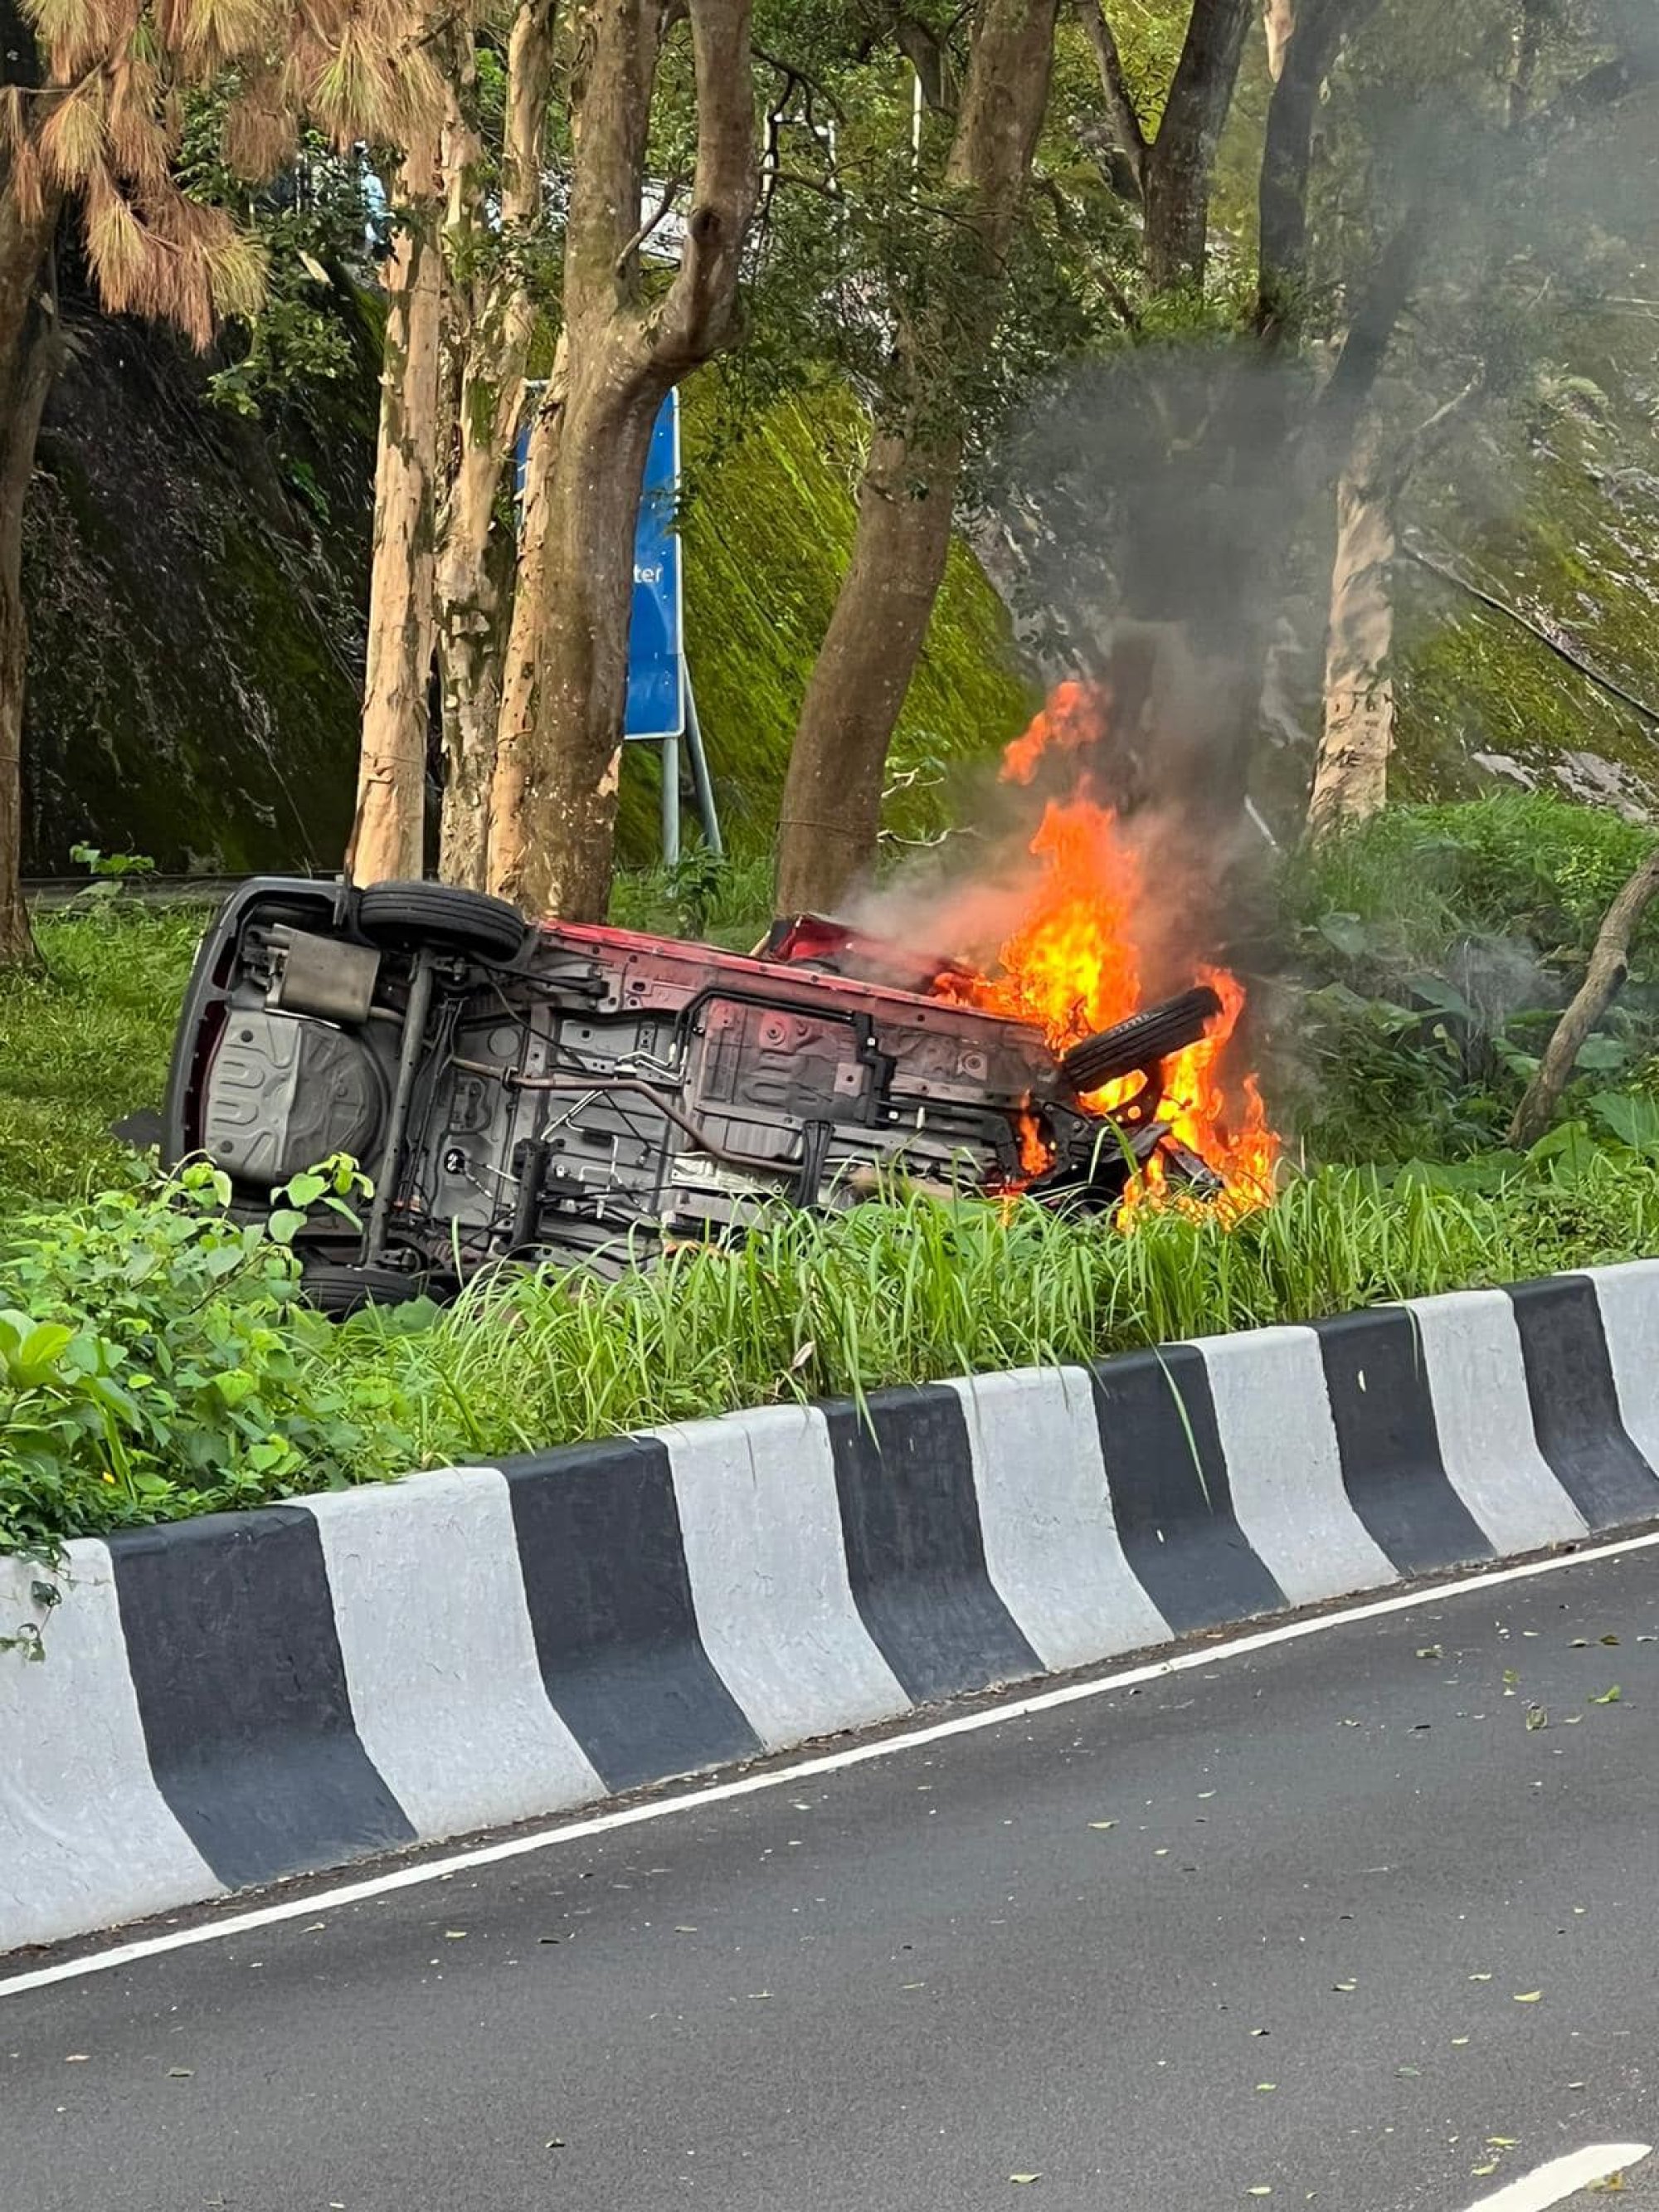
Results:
<point x="1436" y="945"/>
<point x="312" y="225"/>
<point x="83" y="1040"/>
<point x="153" y="1363"/>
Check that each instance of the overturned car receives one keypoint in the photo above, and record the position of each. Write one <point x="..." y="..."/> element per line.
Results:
<point x="590" y="1094"/>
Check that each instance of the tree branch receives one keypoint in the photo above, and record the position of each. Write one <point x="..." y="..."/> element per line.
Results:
<point x="659" y="215"/>
<point x="1609" y="965"/>
<point x="529" y="85"/>
<point x="1179" y="169"/>
<point x="1287" y="155"/>
<point x="1120" y="109"/>
<point x="701" y="300"/>
<point x="1546" y="636"/>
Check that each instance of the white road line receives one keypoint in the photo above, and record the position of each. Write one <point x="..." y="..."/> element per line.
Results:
<point x="1564" y="2177"/>
<point x="806" y="1770"/>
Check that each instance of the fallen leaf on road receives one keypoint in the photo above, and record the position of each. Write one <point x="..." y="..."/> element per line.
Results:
<point x="1262" y="2087"/>
<point x="75" y="2058"/>
<point x="454" y="1935"/>
<point x="181" y="2073"/>
<point x="1529" y="1997"/>
<point x="1260" y="2190"/>
<point x="1430" y="1651"/>
<point x="1579" y="1644"/>
<point x="1608" y="1696"/>
<point x="1345" y="1987"/>
<point x="1537" y="1717"/>
<point x="1502" y="2143"/>
<point x="1023" y="2178"/>
<point x="1458" y="2042"/>
<point x="1102" y="1824"/>
<point x="1409" y="2073"/>
<point x="1611" y="1640"/>
<point x="1480" y="1978"/>
<point x="1491" y="2166"/>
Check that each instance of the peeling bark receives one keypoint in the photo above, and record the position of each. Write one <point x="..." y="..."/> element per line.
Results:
<point x="1351" y="775"/>
<point x="554" y="795"/>
<point x="489" y="319"/>
<point x="832" y="793"/>
<point x="387" y="839"/>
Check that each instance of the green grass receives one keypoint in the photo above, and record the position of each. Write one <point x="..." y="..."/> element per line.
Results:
<point x="903" y="1292"/>
<point x="84" y="1041"/>
<point x="915" y="1292"/>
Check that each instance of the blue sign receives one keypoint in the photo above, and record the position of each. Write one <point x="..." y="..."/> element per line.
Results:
<point x="656" y="663"/>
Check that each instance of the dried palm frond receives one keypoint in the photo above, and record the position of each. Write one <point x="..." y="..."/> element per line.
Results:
<point x="127" y="261"/>
<point x="261" y="131"/>
<point x="73" y="141"/>
<point x="237" y="269"/>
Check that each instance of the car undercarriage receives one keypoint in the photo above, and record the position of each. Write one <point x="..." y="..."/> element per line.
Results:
<point x="590" y="1096"/>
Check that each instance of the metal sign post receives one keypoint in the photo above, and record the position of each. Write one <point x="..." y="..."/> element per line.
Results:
<point x="661" y="709"/>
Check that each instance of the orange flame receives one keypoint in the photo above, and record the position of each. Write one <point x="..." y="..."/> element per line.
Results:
<point x="1073" y="966"/>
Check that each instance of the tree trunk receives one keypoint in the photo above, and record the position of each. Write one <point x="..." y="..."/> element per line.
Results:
<point x="832" y="796"/>
<point x="1180" y="165"/>
<point x="29" y="355"/>
<point x="1351" y="776"/>
<point x="831" y="805"/>
<point x="554" y="792"/>
<point x="506" y="821"/>
<point x="559" y="802"/>
<point x="387" y="837"/>
<point x="490" y="318"/>
<point x="1311" y="44"/>
<point x="1609" y="963"/>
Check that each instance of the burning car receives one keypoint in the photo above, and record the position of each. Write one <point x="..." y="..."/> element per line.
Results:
<point x="591" y="1096"/>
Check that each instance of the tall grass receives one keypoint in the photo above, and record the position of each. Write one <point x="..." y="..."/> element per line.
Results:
<point x="914" y="1291"/>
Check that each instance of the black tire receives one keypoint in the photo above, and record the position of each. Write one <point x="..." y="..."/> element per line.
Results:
<point x="442" y="915"/>
<point x="339" y="1291"/>
<point x="1145" y="1037"/>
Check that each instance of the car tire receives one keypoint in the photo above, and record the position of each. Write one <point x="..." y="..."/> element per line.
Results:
<point x="339" y="1290"/>
<point x="442" y="915"/>
<point x="1119" y="1051"/>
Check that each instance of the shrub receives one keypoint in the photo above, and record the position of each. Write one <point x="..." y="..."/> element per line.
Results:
<point x="154" y="1363"/>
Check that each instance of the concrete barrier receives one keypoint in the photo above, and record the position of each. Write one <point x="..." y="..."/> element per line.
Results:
<point x="228" y="1701"/>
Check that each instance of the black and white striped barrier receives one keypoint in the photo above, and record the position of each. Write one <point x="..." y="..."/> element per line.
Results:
<point x="227" y="1701"/>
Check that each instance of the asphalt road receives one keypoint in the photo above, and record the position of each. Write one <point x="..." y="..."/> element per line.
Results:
<point x="1330" y="1920"/>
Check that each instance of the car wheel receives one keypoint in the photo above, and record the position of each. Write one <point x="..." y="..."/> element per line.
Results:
<point x="1112" y="1053"/>
<point x="338" y="1290"/>
<point x="443" y="915"/>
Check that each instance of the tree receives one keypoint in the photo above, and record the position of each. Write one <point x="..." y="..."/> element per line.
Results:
<point x="832" y="794"/>
<point x="388" y="832"/>
<point x="491" y="306"/>
<point x="1480" y="311"/>
<point x="626" y="344"/>
<point x="92" y="96"/>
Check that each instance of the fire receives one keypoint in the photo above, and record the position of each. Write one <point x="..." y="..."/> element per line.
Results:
<point x="1073" y="966"/>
